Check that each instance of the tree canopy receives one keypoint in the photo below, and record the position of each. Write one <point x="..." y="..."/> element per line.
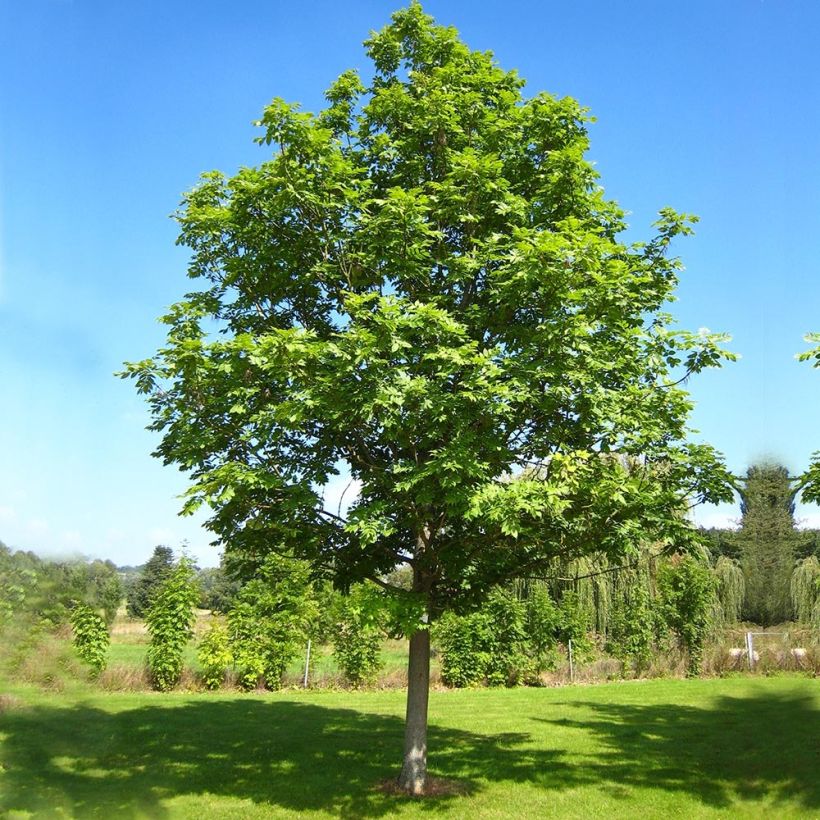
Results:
<point x="424" y="288"/>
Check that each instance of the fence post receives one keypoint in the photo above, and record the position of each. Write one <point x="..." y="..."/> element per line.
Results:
<point x="307" y="665"/>
<point x="571" y="668"/>
<point x="750" y="651"/>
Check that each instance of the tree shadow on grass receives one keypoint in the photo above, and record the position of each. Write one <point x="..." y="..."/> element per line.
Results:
<point x="747" y="748"/>
<point x="282" y="754"/>
<point x="293" y="756"/>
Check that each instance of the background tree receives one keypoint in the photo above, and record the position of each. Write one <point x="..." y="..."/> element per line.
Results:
<point x="170" y="621"/>
<point x="142" y="591"/>
<point x="805" y="589"/>
<point x="218" y="589"/>
<point x="90" y="637"/>
<point x="357" y="634"/>
<point x="730" y="589"/>
<point x="687" y="590"/>
<point x="767" y="542"/>
<point x="271" y="620"/>
<point x="424" y="288"/>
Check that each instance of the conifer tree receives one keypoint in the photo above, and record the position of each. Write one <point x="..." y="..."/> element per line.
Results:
<point x="767" y="542"/>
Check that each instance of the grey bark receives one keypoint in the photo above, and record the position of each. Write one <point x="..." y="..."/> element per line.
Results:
<point x="413" y="777"/>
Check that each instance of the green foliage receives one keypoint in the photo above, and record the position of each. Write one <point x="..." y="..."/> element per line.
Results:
<point x="768" y="542"/>
<point x="492" y="645"/>
<point x="214" y="654"/>
<point x="141" y="594"/>
<point x="271" y="621"/>
<point x="18" y="582"/>
<point x="731" y="589"/>
<point x="425" y="287"/>
<point x="460" y="640"/>
<point x="170" y="622"/>
<point x="506" y="656"/>
<point x="46" y="590"/>
<point x="574" y="624"/>
<point x="805" y="589"/>
<point x="218" y="589"/>
<point x="543" y="620"/>
<point x="687" y="591"/>
<point x="721" y="542"/>
<point x="633" y="627"/>
<point x="358" y="634"/>
<point x="90" y="638"/>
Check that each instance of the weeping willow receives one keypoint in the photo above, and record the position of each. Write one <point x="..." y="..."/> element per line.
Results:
<point x="590" y="578"/>
<point x="731" y="590"/>
<point x="601" y="586"/>
<point x="805" y="591"/>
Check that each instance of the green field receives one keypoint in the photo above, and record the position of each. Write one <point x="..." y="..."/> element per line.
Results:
<point x="731" y="747"/>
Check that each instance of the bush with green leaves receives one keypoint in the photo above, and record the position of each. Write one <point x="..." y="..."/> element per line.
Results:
<point x="687" y="590"/>
<point x="485" y="646"/>
<point x="358" y="633"/>
<point x="170" y="622"/>
<point x="633" y="625"/>
<point x="214" y="654"/>
<point x="543" y="620"/>
<point x="574" y="625"/>
<point x="460" y="640"/>
<point x="90" y="638"/>
<point x="271" y="620"/>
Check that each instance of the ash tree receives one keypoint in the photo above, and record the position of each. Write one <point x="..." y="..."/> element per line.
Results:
<point x="423" y="287"/>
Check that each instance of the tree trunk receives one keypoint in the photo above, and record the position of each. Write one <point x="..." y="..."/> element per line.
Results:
<point x="413" y="777"/>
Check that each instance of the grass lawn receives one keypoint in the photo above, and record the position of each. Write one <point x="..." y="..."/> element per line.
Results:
<point x="733" y="747"/>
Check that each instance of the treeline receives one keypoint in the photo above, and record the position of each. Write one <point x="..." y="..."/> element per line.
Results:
<point x="36" y="589"/>
<point x="633" y="612"/>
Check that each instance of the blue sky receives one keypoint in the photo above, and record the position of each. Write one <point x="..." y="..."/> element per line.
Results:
<point x="109" y="111"/>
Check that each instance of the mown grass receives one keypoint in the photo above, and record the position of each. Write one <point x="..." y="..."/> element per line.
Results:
<point x="732" y="747"/>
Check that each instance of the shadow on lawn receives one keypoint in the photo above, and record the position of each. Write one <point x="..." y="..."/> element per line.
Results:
<point x="290" y="755"/>
<point x="296" y="756"/>
<point x="748" y="748"/>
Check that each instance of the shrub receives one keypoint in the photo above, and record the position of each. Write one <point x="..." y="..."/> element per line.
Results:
<point x="357" y="635"/>
<point x="507" y="660"/>
<point x="574" y="625"/>
<point x="489" y="645"/>
<point x="687" y="590"/>
<point x="460" y="640"/>
<point x="170" y="622"/>
<point x="214" y="655"/>
<point x="271" y="620"/>
<point x="805" y="589"/>
<point x="632" y="627"/>
<point x="91" y="637"/>
<point x="543" y="619"/>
